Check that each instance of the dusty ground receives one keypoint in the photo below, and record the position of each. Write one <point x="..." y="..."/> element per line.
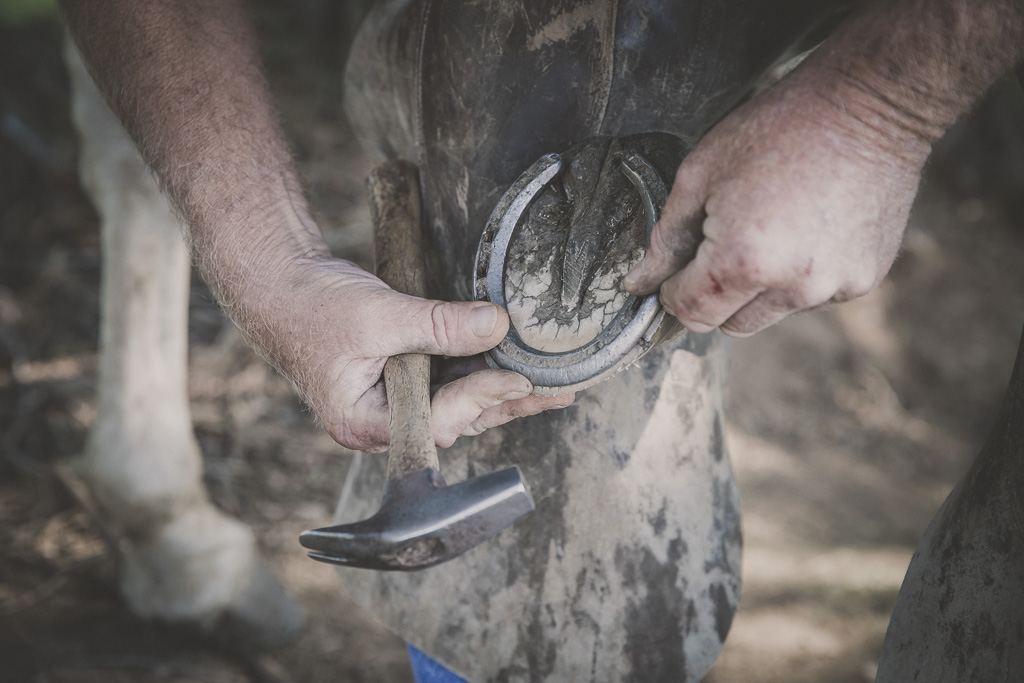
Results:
<point x="847" y="426"/>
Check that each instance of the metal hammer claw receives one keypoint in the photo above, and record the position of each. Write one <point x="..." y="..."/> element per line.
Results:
<point x="422" y="521"/>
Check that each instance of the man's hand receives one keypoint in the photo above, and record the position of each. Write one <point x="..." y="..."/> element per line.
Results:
<point x="185" y="79"/>
<point x="800" y="196"/>
<point x="787" y="204"/>
<point x="330" y="326"/>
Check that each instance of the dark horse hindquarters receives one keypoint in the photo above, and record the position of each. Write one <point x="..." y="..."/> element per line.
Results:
<point x="629" y="568"/>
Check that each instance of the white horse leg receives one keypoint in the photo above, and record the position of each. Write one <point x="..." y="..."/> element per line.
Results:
<point x="181" y="558"/>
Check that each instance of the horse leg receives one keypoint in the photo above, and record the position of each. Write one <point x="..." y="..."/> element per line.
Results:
<point x="181" y="558"/>
<point x="958" y="616"/>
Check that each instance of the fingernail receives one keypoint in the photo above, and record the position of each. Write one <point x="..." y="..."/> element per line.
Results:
<point x="513" y="395"/>
<point x="482" y="320"/>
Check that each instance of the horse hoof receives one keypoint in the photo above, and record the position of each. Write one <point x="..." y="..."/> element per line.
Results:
<point x="203" y="570"/>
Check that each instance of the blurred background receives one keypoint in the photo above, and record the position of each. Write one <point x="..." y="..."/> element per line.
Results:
<point x="847" y="426"/>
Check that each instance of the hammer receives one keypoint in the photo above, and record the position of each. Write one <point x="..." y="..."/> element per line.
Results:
<point x="422" y="521"/>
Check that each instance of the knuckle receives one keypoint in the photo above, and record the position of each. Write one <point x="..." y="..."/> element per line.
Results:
<point x="809" y="292"/>
<point x="443" y="320"/>
<point x="478" y="401"/>
<point x="739" y="264"/>
<point x="689" y="320"/>
<point x="686" y="179"/>
<point x="685" y="309"/>
<point x="753" y="318"/>
<point x="674" y="239"/>
<point x="672" y="300"/>
<point x="475" y="428"/>
<point x="856" y="287"/>
<point x="692" y="172"/>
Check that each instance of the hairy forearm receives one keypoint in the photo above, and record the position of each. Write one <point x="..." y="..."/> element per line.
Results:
<point x="910" y="68"/>
<point x="186" y="80"/>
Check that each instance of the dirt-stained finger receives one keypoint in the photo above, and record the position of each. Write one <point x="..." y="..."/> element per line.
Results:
<point x="676" y="236"/>
<point x="510" y="410"/>
<point x="456" y="405"/>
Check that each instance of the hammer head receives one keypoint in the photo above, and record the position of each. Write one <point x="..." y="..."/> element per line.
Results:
<point x="422" y="522"/>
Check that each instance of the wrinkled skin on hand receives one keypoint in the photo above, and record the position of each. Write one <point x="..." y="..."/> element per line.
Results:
<point x="790" y="202"/>
<point x="186" y="81"/>
<point x="335" y="325"/>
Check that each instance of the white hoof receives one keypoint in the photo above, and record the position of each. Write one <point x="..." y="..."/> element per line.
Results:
<point x="203" y="568"/>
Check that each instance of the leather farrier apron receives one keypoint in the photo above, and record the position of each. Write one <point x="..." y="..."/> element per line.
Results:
<point x="628" y="570"/>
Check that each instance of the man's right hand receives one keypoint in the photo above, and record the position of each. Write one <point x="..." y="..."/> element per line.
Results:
<point x="330" y="326"/>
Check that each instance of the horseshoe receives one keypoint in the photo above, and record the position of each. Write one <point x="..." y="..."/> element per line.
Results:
<point x="631" y="331"/>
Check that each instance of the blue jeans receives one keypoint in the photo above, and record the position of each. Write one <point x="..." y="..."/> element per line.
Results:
<point x="426" y="670"/>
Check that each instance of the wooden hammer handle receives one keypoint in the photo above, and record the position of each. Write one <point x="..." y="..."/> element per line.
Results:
<point x="398" y="252"/>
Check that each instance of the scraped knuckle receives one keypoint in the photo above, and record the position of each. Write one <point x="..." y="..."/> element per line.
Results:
<point x="741" y="265"/>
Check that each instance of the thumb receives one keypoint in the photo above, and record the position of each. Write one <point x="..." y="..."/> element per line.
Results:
<point x="446" y="328"/>
<point x="675" y="237"/>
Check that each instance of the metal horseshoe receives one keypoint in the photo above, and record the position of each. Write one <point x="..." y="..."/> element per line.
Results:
<point x="631" y="331"/>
